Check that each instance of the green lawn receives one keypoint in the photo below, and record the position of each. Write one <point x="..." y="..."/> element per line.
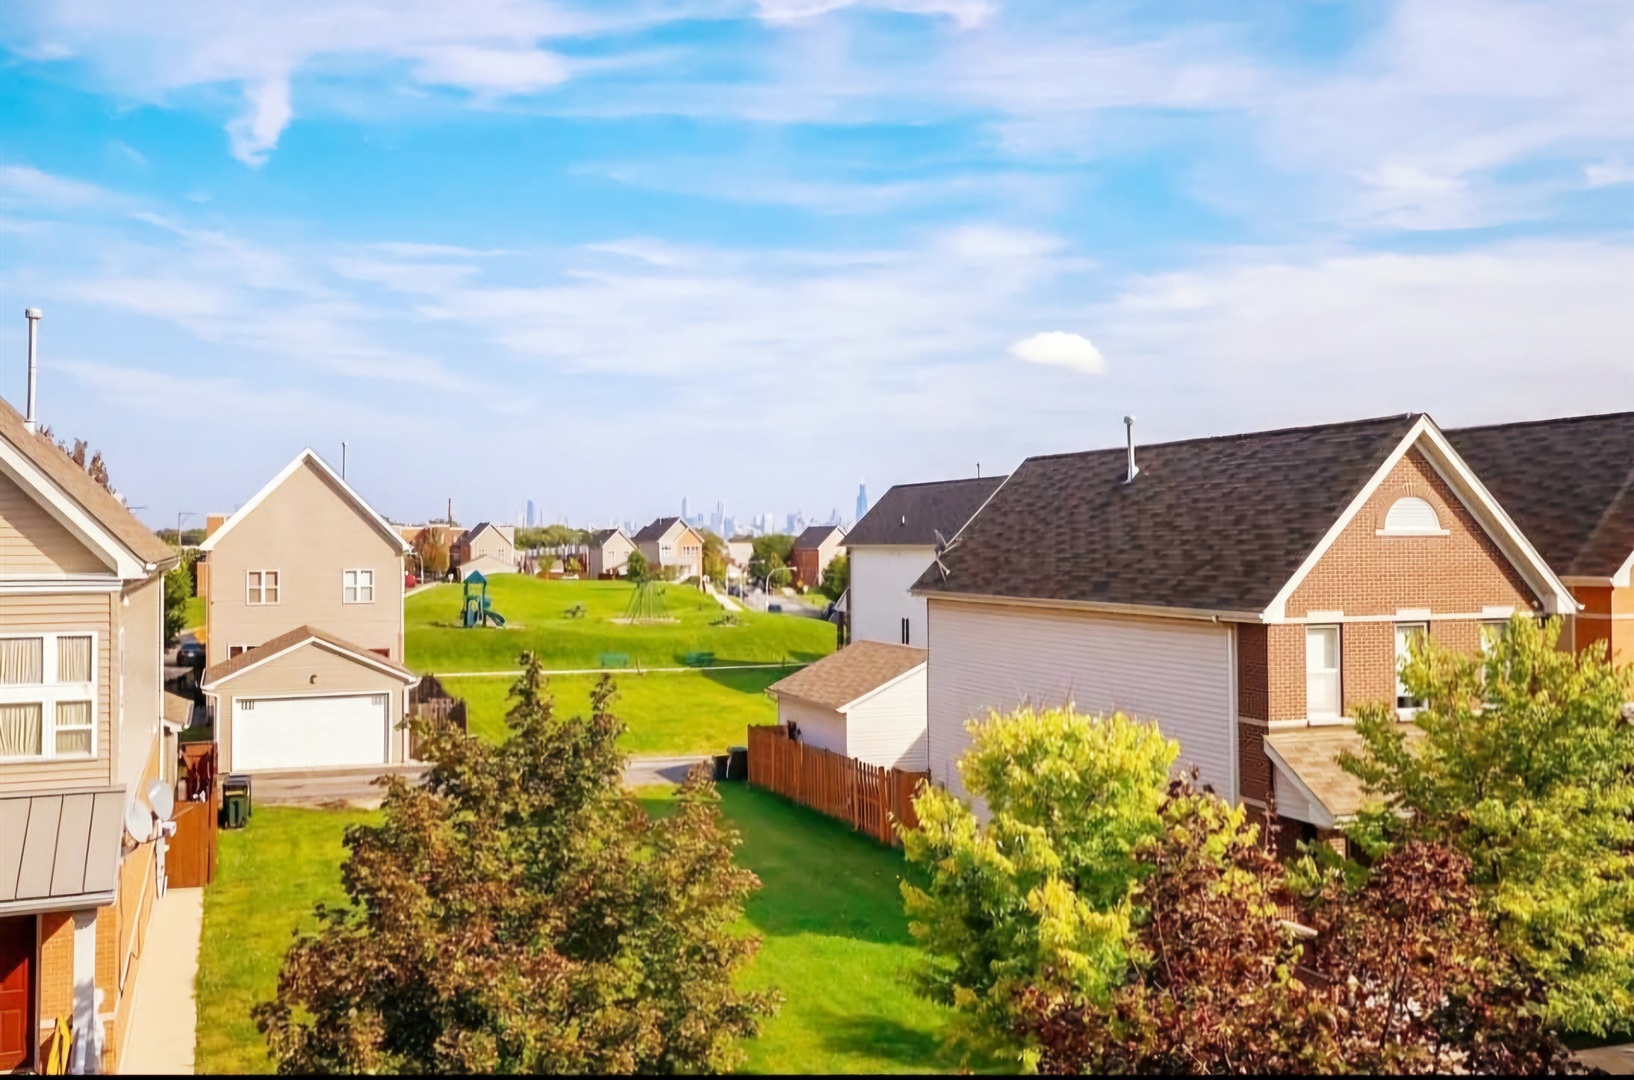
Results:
<point x="667" y="712"/>
<point x="193" y="612"/>
<point x="268" y="876"/>
<point x="534" y="613"/>
<point x="835" y="941"/>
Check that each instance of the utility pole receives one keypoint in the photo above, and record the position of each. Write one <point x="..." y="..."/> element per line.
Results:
<point x="180" y="514"/>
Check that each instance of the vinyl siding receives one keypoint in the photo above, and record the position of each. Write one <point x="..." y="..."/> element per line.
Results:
<point x="310" y="534"/>
<point x="32" y="542"/>
<point x="141" y="613"/>
<point x="992" y="657"/>
<point x="879" y="601"/>
<point x="66" y="613"/>
<point x="888" y="729"/>
<point x="490" y="542"/>
<point x="310" y="669"/>
<point x="819" y="727"/>
<point x="609" y="557"/>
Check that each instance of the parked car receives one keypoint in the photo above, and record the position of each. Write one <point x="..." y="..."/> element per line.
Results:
<point x="190" y="654"/>
<point x="409" y="580"/>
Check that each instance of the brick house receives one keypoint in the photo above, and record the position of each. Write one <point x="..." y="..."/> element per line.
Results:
<point x="1243" y="592"/>
<point x="82" y="739"/>
<point x="814" y="549"/>
<point x="1569" y="485"/>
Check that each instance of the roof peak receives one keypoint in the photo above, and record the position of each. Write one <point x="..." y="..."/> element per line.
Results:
<point x="1297" y="429"/>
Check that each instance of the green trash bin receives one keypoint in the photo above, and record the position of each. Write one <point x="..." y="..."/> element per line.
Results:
<point x="235" y="802"/>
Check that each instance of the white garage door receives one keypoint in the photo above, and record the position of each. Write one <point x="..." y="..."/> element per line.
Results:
<point x="309" y="732"/>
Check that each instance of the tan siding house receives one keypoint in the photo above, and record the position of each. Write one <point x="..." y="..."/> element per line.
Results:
<point x="494" y="544"/>
<point x="609" y="554"/>
<point x="81" y="670"/>
<point x="672" y="546"/>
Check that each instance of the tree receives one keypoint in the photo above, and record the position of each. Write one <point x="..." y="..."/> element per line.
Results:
<point x="1037" y="897"/>
<point x="431" y="545"/>
<point x="1406" y="976"/>
<point x="517" y="911"/>
<point x="836" y="577"/>
<point x="178" y="590"/>
<point x="636" y="569"/>
<point x="714" y="556"/>
<point x="770" y="553"/>
<point x="1524" y="762"/>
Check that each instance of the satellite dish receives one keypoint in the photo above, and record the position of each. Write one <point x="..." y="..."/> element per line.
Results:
<point x="161" y="798"/>
<point x="138" y="822"/>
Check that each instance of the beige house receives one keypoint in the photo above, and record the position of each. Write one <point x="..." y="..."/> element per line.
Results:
<point x="492" y="546"/>
<point x="304" y="617"/>
<point x="81" y="739"/>
<point x="609" y="553"/>
<point x="672" y="546"/>
<point x="866" y="701"/>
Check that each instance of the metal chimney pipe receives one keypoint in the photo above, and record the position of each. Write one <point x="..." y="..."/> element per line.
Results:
<point x="1134" y="470"/>
<point x="343" y="459"/>
<point x="30" y="420"/>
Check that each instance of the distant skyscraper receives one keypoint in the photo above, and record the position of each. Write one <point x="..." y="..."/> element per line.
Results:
<point x="684" y="515"/>
<point x="862" y="499"/>
<point x="530" y="513"/>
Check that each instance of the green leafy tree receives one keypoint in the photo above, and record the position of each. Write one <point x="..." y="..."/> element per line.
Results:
<point x="1038" y="897"/>
<point x="769" y="553"/>
<point x="1523" y="760"/>
<point x="517" y="911"/>
<point x="178" y="590"/>
<point x="636" y="569"/>
<point x="836" y="577"/>
<point x="714" y="556"/>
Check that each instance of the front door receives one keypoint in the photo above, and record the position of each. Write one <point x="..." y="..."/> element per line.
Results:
<point x="16" y="991"/>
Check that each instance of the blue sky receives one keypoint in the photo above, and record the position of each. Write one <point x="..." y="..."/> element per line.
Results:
<point x="604" y="255"/>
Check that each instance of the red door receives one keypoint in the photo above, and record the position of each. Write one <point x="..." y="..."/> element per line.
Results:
<point x="16" y="991"/>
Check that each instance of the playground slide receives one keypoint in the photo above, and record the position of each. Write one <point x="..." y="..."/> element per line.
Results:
<point x="495" y="617"/>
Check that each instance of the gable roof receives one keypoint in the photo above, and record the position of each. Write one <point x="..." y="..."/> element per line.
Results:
<point x="94" y="500"/>
<point x="912" y="514"/>
<point x="476" y="530"/>
<point x="1222" y="525"/>
<point x="288" y="642"/>
<point x="656" y="529"/>
<point x="856" y="672"/>
<point x="309" y="456"/>
<point x="601" y="536"/>
<point x="1568" y="483"/>
<point x="815" y="536"/>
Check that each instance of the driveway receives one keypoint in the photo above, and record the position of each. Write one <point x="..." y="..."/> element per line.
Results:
<point x="329" y="789"/>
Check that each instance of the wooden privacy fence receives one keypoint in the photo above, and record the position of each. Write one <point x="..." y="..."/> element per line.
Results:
<point x="870" y="798"/>
<point x="190" y="855"/>
<point x="429" y="700"/>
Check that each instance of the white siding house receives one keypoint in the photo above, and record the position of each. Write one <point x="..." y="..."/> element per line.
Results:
<point x="881" y="607"/>
<point x="994" y="657"/>
<point x="867" y="701"/>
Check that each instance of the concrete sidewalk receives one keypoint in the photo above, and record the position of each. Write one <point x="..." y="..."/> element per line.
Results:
<point x="164" y="1017"/>
<point x="643" y="771"/>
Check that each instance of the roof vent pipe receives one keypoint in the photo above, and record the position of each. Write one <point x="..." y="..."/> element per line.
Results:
<point x="1134" y="470"/>
<point x="30" y="423"/>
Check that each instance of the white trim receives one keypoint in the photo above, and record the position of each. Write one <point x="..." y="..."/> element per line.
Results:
<point x="42" y="904"/>
<point x="1325" y="616"/>
<point x="272" y="485"/>
<point x="25" y="584"/>
<point x="1605" y="616"/>
<point x="1597" y="582"/>
<point x="1621" y="578"/>
<point x="1338" y="669"/>
<point x="1432" y="616"/>
<point x="49" y="693"/>
<point x="880" y="689"/>
<point x="1498" y="611"/>
<point x="1416" y="614"/>
<point x="16" y="466"/>
<point x="261" y="586"/>
<point x="1232" y="711"/>
<point x="1412" y="532"/>
<point x="357" y="587"/>
<point x="1188" y="614"/>
<point x="369" y="659"/>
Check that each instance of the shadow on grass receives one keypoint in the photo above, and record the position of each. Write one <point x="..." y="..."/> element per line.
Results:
<point x="879" y="1036"/>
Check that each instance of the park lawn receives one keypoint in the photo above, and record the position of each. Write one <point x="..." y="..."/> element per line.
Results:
<point x="268" y="876"/>
<point x="691" y="712"/>
<point x="534" y="611"/>
<point x="193" y="613"/>
<point x="834" y="938"/>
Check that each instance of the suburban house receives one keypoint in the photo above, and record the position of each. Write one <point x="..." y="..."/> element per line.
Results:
<point x="486" y="547"/>
<point x="672" y="546"/>
<point x="609" y="552"/>
<point x="866" y="701"/>
<point x="304" y="628"/>
<point x="1569" y="485"/>
<point x="81" y="721"/>
<point x="739" y="550"/>
<point x="1243" y="592"/>
<point x="892" y="546"/>
<point x="814" y="549"/>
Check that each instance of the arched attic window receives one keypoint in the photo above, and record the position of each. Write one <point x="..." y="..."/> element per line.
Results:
<point x="1411" y="515"/>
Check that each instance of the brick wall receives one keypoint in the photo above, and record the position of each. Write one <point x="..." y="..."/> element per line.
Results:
<point x="56" y="974"/>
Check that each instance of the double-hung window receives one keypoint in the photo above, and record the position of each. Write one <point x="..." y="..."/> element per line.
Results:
<point x="1322" y="688"/>
<point x="261" y="587"/>
<point x="1406" y="634"/>
<point x="1491" y="634"/>
<point x="48" y="696"/>
<point x="357" y="586"/>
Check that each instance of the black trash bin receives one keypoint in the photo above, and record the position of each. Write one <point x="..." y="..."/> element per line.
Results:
<point x="235" y="801"/>
<point x="737" y="764"/>
<point x="720" y="766"/>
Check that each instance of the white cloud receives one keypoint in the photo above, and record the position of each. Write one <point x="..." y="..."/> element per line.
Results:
<point x="267" y="112"/>
<point x="1061" y="349"/>
<point x="499" y="71"/>
<point x="966" y="13"/>
<point x="1608" y="174"/>
<point x="24" y="185"/>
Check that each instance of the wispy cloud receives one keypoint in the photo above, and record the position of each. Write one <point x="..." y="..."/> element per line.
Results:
<point x="25" y="186"/>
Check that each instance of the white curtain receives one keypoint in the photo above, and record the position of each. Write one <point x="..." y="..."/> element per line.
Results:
<point x="22" y="661"/>
<point x="73" y="727"/>
<point x="74" y="659"/>
<point x="20" y="730"/>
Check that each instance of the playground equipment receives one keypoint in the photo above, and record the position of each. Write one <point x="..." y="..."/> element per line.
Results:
<point x="647" y="605"/>
<point x="477" y="609"/>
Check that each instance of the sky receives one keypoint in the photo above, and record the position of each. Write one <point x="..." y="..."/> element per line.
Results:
<point x="604" y="255"/>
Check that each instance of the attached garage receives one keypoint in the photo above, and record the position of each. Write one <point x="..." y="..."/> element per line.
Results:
<point x="307" y="700"/>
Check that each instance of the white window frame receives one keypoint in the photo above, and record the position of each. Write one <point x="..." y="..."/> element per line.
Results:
<point x="1337" y="671"/>
<point x="1437" y="529"/>
<point x="49" y="693"/>
<point x="1403" y="643"/>
<point x="351" y="582"/>
<point x="1500" y="625"/>
<point x="259" y="589"/>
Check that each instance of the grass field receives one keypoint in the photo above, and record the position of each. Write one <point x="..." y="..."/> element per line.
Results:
<point x="534" y="611"/>
<point x="835" y="941"/>
<point x="193" y="612"/>
<point x="667" y="713"/>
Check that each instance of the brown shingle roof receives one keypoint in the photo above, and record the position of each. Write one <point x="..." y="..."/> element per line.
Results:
<point x="915" y="513"/>
<point x="1313" y="756"/>
<point x="1568" y="484"/>
<point x="813" y="536"/>
<point x="863" y="666"/>
<point x="301" y="634"/>
<point x="95" y="499"/>
<point x="1218" y="524"/>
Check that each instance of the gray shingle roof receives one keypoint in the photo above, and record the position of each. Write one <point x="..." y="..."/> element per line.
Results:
<point x="912" y="514"/>
<point x="1217" y="524"/>
<point x="813" y="536"/>
<point x="655" y="530"/>
<point x="1568" y="484"/>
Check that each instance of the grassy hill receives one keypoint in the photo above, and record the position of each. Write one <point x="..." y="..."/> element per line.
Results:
<point x="534" y="612"/>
